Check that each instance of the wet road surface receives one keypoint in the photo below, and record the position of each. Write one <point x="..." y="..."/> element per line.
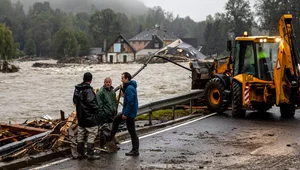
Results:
<point x="260" y="141"/>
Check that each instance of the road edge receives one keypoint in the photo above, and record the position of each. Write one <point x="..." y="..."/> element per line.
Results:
<point x="50" y="155"/>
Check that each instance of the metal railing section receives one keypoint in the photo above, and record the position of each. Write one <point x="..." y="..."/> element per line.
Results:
<point x="169" y="102"/>
<point x="157" y="105"/>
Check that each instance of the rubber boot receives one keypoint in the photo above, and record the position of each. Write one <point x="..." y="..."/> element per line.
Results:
<point x="116" y="143"/>
<point x="81" y="150"/>
<point x="90" y="152"/>
<point x="102" y="142"/>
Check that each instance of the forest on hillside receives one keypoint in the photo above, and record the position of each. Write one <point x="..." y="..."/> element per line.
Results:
<point x="68" y="28"/>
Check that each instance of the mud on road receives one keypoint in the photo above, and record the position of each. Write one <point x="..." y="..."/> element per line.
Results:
<point x="256" y="142"/>
<point x="218" y="142"/>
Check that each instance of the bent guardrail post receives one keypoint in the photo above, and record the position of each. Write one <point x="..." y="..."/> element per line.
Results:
<point x="191" y="107"/>
<point x="150" y="118"/>
<point x="173" y="112"/>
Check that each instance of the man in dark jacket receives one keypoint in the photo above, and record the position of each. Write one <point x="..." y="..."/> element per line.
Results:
<point x="129" y="112"/>
<point x="107" y="106"/>
<point x="87" y="114"/>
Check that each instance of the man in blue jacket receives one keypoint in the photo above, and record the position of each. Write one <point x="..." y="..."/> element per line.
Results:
<point x="129" y="112"/>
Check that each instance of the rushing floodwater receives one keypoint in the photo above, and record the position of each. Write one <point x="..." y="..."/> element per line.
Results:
<point x="35" y="92"/>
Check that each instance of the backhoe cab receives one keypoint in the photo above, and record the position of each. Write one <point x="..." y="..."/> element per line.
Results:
<point x="265" y="72"/>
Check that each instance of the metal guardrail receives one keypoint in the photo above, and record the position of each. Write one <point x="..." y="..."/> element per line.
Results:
<point x="157" y="105"/>
<point x="160" y="104"/>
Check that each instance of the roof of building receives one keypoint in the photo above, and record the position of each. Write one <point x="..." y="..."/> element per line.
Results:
<point x="146" y="52"/>
<point x="147" y="35"/>
<point x="96" y="50"/>
<point x="178" y="45"/>
<point x="127" y="42"/>
<point x="191" y="41"/>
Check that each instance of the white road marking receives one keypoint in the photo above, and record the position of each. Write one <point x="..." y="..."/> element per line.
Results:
<point x="186" y="123"/>
<point x="145" y="136"/>
<point x="52" y="163"/>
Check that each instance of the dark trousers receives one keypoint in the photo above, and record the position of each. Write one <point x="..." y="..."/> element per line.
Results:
<point x="130" y="123"/>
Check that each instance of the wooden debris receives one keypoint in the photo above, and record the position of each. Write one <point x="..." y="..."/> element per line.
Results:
<point x="64" y="129"/>
<point x="35" y="136"/>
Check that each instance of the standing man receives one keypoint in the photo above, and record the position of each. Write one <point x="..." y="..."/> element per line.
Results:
<point x="107" y="105"/>
<point x="129" y="112"/>
<point x="87" y="115"/>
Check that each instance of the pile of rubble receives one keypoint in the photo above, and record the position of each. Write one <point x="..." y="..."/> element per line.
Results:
<point x="48" y="65"/>
<point x="29" y="138"/>
<point x="6" y="67"/>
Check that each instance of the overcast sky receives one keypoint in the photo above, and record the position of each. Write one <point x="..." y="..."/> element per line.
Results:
<point x="196" y="9"/>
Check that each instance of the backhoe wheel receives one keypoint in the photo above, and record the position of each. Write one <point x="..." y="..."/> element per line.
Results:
<point x="237" y="101"/>
<point x="287" y="110"/>
<point x="214" y="96"/>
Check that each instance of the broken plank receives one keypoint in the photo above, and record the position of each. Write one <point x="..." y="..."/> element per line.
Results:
<point x="64" y="129"/>
<point x="21" y="128"/>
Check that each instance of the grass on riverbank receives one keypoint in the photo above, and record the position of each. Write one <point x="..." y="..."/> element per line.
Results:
<point x="166" y="115"/>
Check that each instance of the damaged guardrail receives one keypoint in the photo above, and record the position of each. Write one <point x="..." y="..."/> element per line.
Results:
<point x="160" y="104"/>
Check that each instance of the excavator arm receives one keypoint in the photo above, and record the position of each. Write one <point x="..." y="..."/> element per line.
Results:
<point x="286" y="71"/>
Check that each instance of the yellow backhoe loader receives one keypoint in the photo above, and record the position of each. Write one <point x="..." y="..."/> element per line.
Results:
<point x="261" y="71"/>
<point x="266" y="72"/>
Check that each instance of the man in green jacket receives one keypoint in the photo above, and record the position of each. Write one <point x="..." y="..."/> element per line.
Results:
<point x="107" y="104"/>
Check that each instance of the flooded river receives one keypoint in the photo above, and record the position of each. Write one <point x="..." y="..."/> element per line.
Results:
<point x="35" y="92"/>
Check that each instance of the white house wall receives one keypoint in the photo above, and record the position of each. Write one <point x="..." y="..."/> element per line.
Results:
<point x="120" y="57"/>
<point x="108" y="57"/>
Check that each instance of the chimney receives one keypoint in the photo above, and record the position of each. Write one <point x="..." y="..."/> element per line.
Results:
<point x="104" y="45"/>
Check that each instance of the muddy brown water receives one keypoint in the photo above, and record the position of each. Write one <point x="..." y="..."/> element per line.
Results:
<point x="35" y="92"/>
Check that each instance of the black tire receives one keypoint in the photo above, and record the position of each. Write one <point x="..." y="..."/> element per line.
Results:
<point x="214" y="96"/>
<point x="237" y="108"/>
<point x="262" y="107"/>
<point x="287" y="110"/>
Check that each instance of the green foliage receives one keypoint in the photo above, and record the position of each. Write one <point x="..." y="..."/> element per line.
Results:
<point x="7" y="47"/>
<point x="104" y="26"/>
<point x="65" y="44"/>
<point x="83" y="43"/>
<point x="270" y="11"/>
<point x="41" y="35"/>
<point x="30" y="48"/>
<point x="216" y="35"/>
<point x="239" y="16"/>
<point x="82" y="22"/>
<point x="164" y="114"/>
<point x="89" y="23"/>
<point x="19" y="53"/>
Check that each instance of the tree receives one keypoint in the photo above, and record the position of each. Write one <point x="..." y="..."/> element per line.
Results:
<point x="30" y="48"/>
<point x="82" y="22"/>
<point x="65" y="44"/>
<point x="239" y="16"/>
<point x="7" y="48"/>
<point x="268" y="12"/>
<point x="215" y="35"/>
<point x="104" y="26"/>
<point x="83" y="43"/>
<point x="41" y="35"/>
<point x="178" y="27"/>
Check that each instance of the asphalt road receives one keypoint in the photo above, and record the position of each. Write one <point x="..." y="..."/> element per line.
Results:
<point x="260" y="141"/>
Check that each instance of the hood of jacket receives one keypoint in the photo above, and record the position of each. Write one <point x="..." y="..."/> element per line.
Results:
<point x="82" y="86"/>
<point x="131" y="83"/>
